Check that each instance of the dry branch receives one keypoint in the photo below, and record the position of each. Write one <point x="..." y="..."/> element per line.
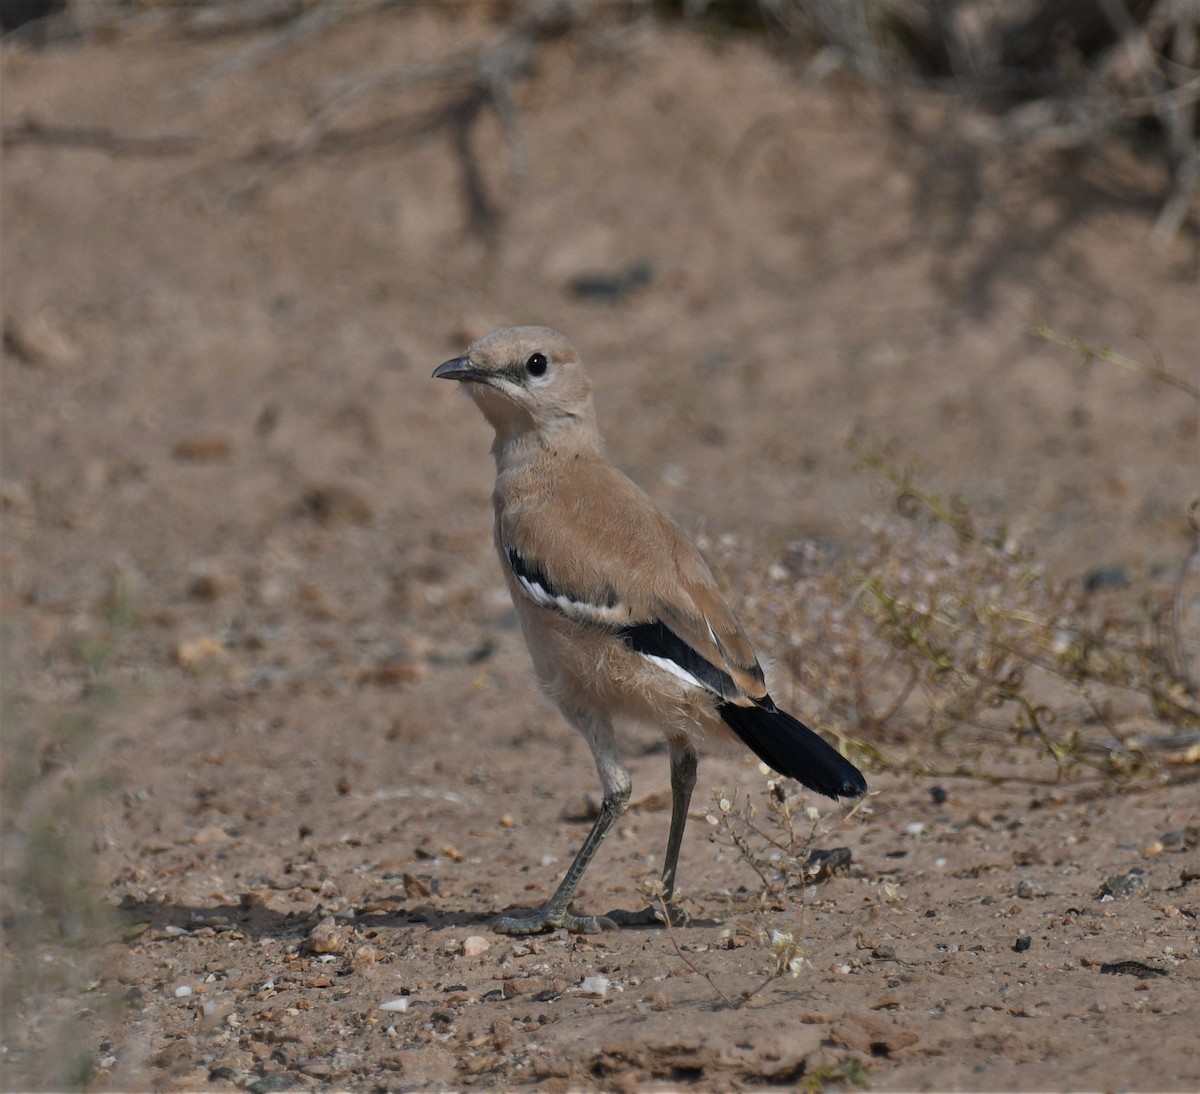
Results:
<point x="96" y="138"/>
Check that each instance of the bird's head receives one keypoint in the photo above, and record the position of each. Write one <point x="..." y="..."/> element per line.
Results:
<point x="526" y="380"/>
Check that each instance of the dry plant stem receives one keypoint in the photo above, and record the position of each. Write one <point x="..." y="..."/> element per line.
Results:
<point x="1175" y="108"/>
<point x="479" y="83"/>
<point x="666" y="918"/>
<point x="1091" y="353"/>
<point x="97" y="138"/>
<point x="307" y="22"/>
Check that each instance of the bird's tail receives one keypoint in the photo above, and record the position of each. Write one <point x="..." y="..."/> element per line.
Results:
<point x="791" y="748"/>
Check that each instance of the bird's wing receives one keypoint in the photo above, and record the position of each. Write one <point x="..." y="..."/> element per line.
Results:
<point x="596" y="549"/>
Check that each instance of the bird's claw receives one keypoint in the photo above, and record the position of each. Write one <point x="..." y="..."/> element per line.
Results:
<point x="550" y="919"/>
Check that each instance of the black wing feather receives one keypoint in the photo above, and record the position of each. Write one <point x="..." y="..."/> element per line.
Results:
<point x="658" y="640"/>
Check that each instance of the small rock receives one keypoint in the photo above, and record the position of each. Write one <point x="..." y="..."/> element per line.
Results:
<point x="395" y="1006"/>
<point x="326" y="937"/>
<point x="209" y="835"/>
<point x="203" y="448"/>
<point x="1027" y="889"/>
<point x="938" y="795"/>
<point x="475" y="945"/>
<point x="1106" y="577"/>
<point x="1124" y="886"/>
<point x="363" y="957"/>
<point x="334" y="504"/>
<point x="201" y="654"/>
<point x="38" y="341"/>
<point x="268" y="1084"/>
<point x="183" y="991"/>
<point x="584" y="808"/>
<point x="15" y="496"/>
<point x="594" y="985"/>
<point x="210" y="584"/>
<point x="1022" y="944"/>
<point x="609" y="287"/>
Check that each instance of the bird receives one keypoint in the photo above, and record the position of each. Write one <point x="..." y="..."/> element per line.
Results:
<point x="622" y="615"/>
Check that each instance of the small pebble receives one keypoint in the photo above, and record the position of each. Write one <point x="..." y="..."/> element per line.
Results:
<point x="1022" y="944"/>
<point x="1125" y="886"/>
<point x="326" y="937"/>
<point x="395" y="1006"/>
<point x="183" y="991"/>
<point x="1028" y="889"/>
<point x="475" y="945"/>
<point x="595" y="985"/>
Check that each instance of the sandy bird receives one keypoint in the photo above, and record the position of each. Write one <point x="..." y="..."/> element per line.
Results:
<point x="622" y="615"/>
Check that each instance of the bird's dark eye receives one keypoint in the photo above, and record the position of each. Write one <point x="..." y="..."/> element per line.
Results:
<point x="537" y="365"/>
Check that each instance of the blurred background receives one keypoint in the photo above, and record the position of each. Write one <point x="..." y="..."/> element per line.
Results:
<point x="952" y="240"/>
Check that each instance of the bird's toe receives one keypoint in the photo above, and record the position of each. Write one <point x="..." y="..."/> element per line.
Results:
<point x="550" y="919"/>
<point x="650" y="916"/>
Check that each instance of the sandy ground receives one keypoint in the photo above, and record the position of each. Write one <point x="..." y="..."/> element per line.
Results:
<point x="260" y="669"/>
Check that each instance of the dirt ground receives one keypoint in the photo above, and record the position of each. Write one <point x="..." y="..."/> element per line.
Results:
<point x="273" y="753"/>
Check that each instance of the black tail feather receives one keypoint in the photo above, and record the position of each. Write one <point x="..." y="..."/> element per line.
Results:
<point x="791" y="748"/>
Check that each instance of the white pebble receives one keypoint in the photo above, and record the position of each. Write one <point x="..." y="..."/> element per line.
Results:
<point x="183" y="991"/>
<point x="595" y="985"/>
<point x="475" y="945"/>
<point x="398" y="1005"/>
<point x="915" y="829"/>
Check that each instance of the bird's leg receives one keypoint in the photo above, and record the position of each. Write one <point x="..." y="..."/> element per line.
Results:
<point x="616" y="784"/>
<point x="554" y="912"/>
<point x="683" y="780"/>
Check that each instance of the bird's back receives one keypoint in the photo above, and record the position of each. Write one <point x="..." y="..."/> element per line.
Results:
<point x="612" y="547"/>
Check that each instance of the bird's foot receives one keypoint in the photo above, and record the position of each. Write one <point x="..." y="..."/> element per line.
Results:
<point x="651" y="916"/>
<point x="549" y="919"/>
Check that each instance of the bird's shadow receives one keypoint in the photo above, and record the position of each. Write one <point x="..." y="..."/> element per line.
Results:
<point x="257" y="921"/>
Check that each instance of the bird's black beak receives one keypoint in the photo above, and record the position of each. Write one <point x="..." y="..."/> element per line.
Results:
<point x="460" y="368"/>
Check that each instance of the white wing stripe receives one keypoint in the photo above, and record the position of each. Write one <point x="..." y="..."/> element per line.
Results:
<point x="577" y="609"/>
<point x="678" y="671"/>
